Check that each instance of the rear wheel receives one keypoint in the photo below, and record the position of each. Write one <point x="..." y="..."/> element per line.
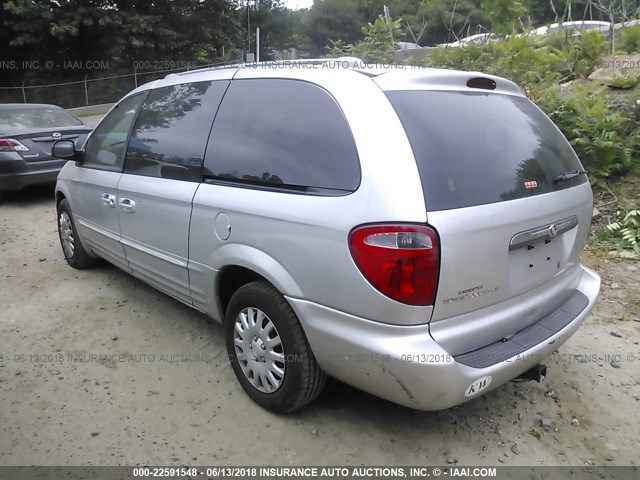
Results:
<point x="74" y="252"/>
<point x="269" y="351"/>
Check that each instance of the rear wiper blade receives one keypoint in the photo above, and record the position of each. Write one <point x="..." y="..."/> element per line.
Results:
<point x="568" y="175"/>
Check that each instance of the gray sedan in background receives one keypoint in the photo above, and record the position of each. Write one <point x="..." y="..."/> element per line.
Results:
<point x="27" y="133"/>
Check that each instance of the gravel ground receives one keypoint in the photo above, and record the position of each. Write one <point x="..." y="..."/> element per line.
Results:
<point x="162" y="406"/>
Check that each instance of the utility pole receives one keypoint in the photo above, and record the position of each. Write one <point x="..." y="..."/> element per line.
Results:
<point x="248" y="31"/>
<point x="387" y="17"/>
<point x="258" y="44"/>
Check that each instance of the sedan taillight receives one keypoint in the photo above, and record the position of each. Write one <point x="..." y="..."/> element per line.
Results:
<point x="11" y="145"/>
<point x="401" y="261"/>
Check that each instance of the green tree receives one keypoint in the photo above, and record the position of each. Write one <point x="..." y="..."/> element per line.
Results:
<point x="118" y="31"/>
<point x="278" y="26"/>
<point x="333" y="19"/>
<point x="376" y="47"/>
<point x="504" y="15"/>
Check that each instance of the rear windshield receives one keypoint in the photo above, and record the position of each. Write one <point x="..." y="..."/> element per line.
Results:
<point x="18" y="119"/>
<point x="478" y="148"/>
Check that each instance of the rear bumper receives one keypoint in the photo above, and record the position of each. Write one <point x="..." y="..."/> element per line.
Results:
<point x="403" y="364"/>
<point x="17" y="174"/>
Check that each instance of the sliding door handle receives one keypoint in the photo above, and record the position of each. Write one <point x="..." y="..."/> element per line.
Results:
<point x="127" y="205"/>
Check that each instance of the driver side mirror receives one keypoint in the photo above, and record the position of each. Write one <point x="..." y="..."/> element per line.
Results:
<point x="66" y="150"/>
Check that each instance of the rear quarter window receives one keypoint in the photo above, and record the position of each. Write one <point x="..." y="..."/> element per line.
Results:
<point x="476" y="148"/>
<point x="282" y="134"/>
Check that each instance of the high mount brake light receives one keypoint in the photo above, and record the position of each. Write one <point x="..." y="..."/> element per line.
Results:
<point x="482" y="83"/>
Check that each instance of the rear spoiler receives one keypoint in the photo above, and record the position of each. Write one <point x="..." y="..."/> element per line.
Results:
<point x="439" y="79"/>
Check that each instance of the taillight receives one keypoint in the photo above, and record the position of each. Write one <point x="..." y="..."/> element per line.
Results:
<point x="11" y="145"/>
<point x="401" y="261"/>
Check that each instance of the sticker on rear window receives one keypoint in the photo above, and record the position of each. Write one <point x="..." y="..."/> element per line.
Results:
<point x="533" y="184"/>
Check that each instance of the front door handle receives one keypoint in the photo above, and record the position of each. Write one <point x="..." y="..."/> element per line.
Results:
<point x="109" y="200"/>
<point x="127" y="205"/>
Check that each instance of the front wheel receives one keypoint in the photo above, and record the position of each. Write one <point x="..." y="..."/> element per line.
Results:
<point x="269" y="351"/>
<point x="74" y="252"/>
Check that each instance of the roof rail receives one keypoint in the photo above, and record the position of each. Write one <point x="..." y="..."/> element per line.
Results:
<point x="345" y="62"/>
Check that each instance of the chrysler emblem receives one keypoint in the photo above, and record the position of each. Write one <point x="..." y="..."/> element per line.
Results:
<point x="57" y="136"/>
<point x="553" y="231"/>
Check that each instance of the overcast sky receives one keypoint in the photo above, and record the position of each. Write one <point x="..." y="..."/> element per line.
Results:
<point x="296" y="4"/>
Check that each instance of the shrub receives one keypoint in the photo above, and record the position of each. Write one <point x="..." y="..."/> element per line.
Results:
<point x="626" y="230"/>
<point x="630" y="41"/>
<point x="528" y="59"/>
<point x="516" y="58"/>
<point x="606" y="141"/>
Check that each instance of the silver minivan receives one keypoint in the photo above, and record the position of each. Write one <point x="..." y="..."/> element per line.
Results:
<point x="415" y="233"/>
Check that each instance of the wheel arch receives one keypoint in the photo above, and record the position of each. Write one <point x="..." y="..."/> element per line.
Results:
<point x="59" y="197"/>
<point x="243" y="264"/>
<point x="61" y="193"/>
<point x="230" y="279"/>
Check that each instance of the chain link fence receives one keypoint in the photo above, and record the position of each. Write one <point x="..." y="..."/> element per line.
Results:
<point x="90" y="91"/>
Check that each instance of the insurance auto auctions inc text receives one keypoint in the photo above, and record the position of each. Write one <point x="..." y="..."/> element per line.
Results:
<point x="374" y="472"/>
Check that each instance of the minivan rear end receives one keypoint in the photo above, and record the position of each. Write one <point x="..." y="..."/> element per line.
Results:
<point x="508" y="208"/>
<point x="492" y="166"/>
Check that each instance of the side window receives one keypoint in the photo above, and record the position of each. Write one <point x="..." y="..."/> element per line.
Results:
<point x="106" y="147"/>
<point x="170" y="134"/>
<point x="282" y="133"/>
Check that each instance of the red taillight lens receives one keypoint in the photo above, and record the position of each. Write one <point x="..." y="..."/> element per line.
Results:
<point x="401" y="261"/>
<point x="11" y="145"/>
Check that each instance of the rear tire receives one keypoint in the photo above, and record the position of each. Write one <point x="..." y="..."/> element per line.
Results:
<point x="72" y="248"/>
<point x="269" y="351"/>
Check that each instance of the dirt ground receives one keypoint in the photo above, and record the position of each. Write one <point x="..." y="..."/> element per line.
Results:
<point x="164" y="398"/>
